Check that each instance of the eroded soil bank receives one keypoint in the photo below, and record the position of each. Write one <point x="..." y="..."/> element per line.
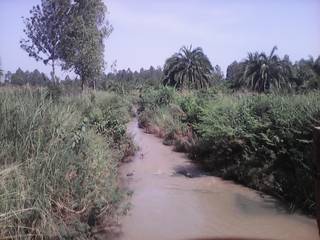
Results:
<point x="172" y="201"/>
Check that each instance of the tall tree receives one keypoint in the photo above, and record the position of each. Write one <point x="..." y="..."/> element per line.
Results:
<point x="188" y="68"/>
<point x="82" y="45"/>
<point x="264" y="72"/>
<point x="234" y="74"/>
<point x="44" y="29"/>
<point x="307" y="73"/>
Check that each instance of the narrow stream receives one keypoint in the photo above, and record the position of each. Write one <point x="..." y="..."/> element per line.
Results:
<point x="171" y="206"/>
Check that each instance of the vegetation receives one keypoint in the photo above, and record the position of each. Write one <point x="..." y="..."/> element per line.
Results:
<point x="269" y="73"/>
<point x="264" y="142"/>
<point x="71" y="32"/>
<point x="58" y="162"/>
<point x="189" y="68"/>
<point x="306" y="74"/>
<point x="259" y="136"/>
<point x="60" y="151"/>
<point x="82" y="44"/>
<point x="124" y="81"/>
<point x="261" y="141"/>
<point x="262" y="72"/>
<point x="43" y="31"/>
<point x="20" y="78"/>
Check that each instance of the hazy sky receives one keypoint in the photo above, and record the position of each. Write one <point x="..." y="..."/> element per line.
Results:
<point x="146" y="32"/>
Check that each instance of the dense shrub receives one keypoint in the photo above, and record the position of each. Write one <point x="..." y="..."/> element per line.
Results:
<point x="153" y="98"/>
<point x="261" y="141"/>
<point x="157" y="108"/>
<point x="58" y="162"/>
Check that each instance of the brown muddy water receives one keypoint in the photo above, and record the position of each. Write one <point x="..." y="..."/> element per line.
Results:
<point x="168" y="205"/>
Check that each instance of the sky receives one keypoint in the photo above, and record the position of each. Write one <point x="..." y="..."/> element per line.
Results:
<point x="147" y="32"/>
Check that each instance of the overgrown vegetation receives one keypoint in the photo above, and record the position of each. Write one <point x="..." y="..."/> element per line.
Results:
<point x="259" y="136"/>
<point x="58" y="162"/>
<point x="60" y="151"/>
<point x="261" y="141"/>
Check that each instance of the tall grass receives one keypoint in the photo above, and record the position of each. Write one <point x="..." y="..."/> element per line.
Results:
<point x="58" y="162"/>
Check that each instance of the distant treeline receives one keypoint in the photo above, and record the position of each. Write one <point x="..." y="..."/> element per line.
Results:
<point x="246" y="74"/>
<point x="126" y="78"/>
<point x="35" y="78"/>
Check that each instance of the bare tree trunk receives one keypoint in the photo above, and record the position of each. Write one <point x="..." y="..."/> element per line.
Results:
<point x="316" y="156"/>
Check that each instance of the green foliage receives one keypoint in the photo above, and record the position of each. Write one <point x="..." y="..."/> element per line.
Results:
<point x="82" y="41"/>
<point x="159" y="108"/>
<point x="153" y="98"/>
<point x="263" y="73"/>
<point x="44" y="29"/>
<point x="123" y="81"/>
<point x="190" y="68"/>
<point x="191" y="105"/>
<point x="71" y="32"/>
<point x="263" y="142"/>
<point x="58" y="162"/>
<point x="306" y="74"/>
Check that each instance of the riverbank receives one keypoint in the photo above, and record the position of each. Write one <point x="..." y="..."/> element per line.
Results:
<point x="261" y="141"/>
<point x="167" y="204"/>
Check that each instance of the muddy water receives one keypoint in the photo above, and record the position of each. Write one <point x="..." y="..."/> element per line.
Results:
<point x="171" y="206"/>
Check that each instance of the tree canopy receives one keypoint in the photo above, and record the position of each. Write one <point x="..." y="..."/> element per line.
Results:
<point x="43" y="30"/>
<point x="82" y="44"/>
<point x="261" y="72"/>
<point x="264" y="72"/>
<point x="188" y="68"/>
<point x="71" y="32"/>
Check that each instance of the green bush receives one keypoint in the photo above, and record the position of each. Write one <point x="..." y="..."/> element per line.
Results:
<point x="58" y="162"/>
<point x="262" y="141"/>
<point x="153" y="98"/>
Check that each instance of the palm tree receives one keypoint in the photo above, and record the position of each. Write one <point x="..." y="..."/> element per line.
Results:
<point x="188" y="68"/>
<point x="263" y="73"/>
<point x="314" y="64"/>
<point x="311" y="72"/>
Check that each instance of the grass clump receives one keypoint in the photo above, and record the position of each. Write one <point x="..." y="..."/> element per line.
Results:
<point x="58" y="162"/>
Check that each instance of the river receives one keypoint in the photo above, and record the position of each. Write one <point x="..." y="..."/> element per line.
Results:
<point x="170" y="206"/>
